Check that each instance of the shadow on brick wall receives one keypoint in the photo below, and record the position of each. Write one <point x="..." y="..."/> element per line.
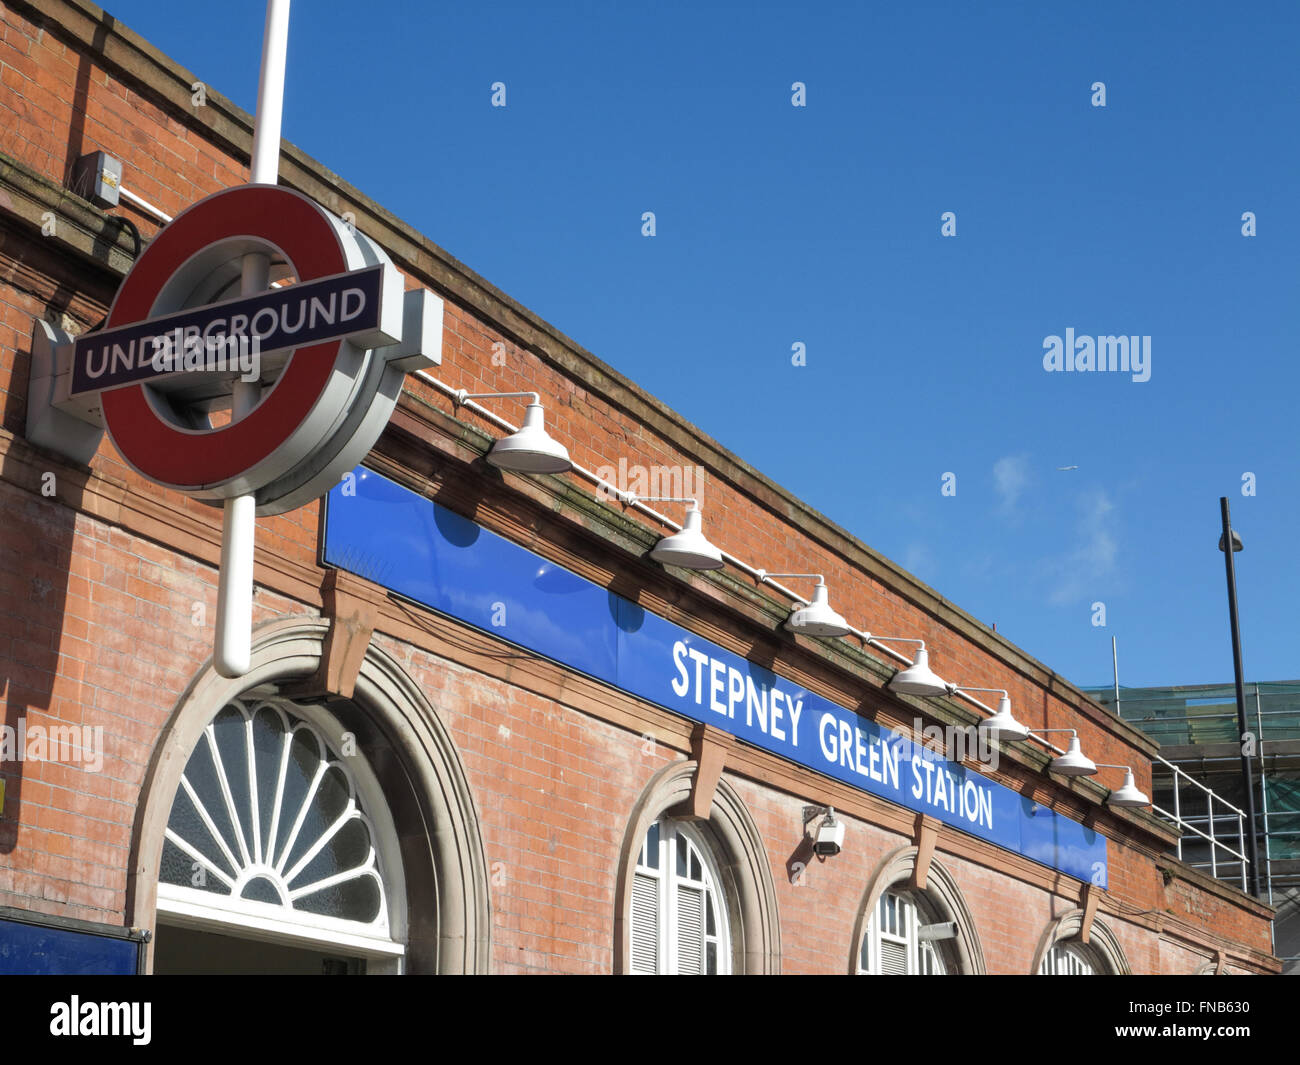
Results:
<point x="37" y="620"/>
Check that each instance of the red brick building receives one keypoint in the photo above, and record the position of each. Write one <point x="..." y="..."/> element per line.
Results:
<point x="456" y="800"/>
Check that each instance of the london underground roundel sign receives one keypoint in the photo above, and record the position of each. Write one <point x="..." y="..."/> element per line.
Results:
<point x="328" y="350"/>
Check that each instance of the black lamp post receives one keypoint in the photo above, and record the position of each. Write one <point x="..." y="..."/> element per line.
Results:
<point x="1252" y="844"/>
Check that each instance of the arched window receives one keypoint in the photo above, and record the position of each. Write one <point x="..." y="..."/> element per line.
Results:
<point x="694" y="895"/>
<point x="279" y="833"/>
<point x="900" y="940"/>
<point x="1063" y="952"/>
<point x="1070" y="959"/>
<point x="680" y="923"/>
<point x="914" y="922"/>
<point x="430" y="869"/>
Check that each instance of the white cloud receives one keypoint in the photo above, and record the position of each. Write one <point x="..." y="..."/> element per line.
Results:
<point x="918" y="560"/>
<point x="1011" y="478"/>
<point x="1092" y="558"/>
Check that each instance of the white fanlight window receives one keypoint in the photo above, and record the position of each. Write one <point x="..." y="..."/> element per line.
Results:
<point x="270" y="837"/>
<point x="892" y="945"/>
<point x="1067" y="960"/>
<point x="679" y="917"/>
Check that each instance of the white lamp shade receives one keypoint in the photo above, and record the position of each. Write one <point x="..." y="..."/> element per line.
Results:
<point x="531" y="449"/>
<point x="1128" y="795"/>
<point x="688" y="548"/>
<point x="817" y="618"/>
<point x="918" y="679"/>
<point x="1074" y="763"/>
<point x="1002" y="726"/>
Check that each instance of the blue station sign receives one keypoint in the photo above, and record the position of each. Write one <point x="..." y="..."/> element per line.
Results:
<point x="38" y="945"/>
<point x="445" y="562"/>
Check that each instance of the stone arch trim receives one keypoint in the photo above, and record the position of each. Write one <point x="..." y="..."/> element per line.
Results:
<point x="422" y="773"/>
<point x="1101" y="939"/>
<point x="941" y="892"/>
<point x="737" y="850"/>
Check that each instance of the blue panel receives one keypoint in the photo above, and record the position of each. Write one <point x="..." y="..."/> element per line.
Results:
<point x="410" y="544"/>
<point x="405" y="542"/>
<point x="1054" y="840"/>
<point x="27" y="949"/>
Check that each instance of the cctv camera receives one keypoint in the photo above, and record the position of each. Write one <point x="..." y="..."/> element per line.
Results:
<point x="830" y="838"/>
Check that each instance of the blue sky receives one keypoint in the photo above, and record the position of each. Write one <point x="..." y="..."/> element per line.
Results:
<point x="821" y="224"/>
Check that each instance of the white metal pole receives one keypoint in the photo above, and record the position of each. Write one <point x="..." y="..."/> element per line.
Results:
<point x="1214" y="860"/>
<point x="231" y="654"/>
<point x="1264" y="799"/>
<point x="1178" y="811"/>
<point x="1114" y="657"/>
<point x="270" y="95"/>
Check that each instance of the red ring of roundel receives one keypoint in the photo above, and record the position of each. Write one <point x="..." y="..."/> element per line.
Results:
<point x="168" y="455"/>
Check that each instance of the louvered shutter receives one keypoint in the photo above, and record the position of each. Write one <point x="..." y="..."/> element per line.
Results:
<point x="690" y="931"/>
<point x="893" y="958"/>
<point x="645" y="924"/>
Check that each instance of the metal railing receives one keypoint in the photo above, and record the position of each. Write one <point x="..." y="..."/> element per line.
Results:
<point x="1188" y="824"/>
<point x="1197" y="715"/>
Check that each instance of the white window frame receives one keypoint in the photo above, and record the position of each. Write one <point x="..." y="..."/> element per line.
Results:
<point x="668" y="887"/>
<point x="380" y="942"/>
<point x="1069" y="958"/>
<point x="897" y="920"/>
